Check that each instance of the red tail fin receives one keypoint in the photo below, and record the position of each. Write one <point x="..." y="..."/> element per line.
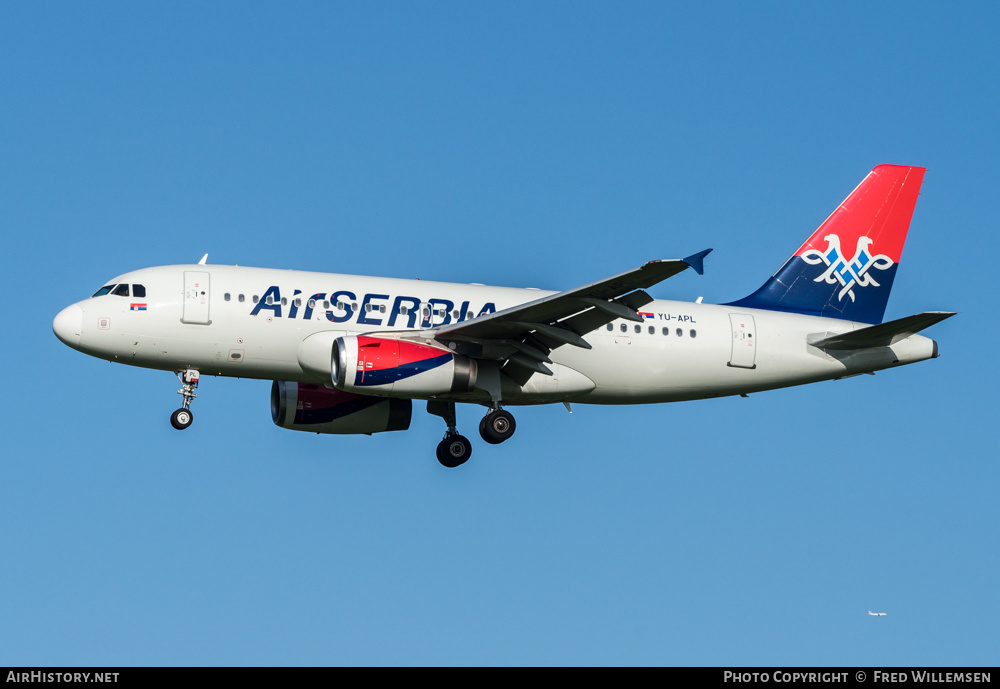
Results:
<point x="847" y="267"/>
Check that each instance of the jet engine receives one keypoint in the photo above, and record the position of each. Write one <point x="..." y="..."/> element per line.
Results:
<point x="399" y="368"/>
<point x="319" y="409"/>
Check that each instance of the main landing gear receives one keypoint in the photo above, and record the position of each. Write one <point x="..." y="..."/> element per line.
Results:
<point x="497" y="426"/>
<point x="455" y="449"/>
<point x="183" y="417"/>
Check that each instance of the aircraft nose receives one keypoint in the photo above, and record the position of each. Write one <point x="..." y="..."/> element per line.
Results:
<point x="68" y="325"/>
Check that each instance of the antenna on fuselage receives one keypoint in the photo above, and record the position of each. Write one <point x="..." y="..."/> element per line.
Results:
<point x="203" y="259"/>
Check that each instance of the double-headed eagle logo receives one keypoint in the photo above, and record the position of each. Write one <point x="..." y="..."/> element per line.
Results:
<point x="849" y="274"/>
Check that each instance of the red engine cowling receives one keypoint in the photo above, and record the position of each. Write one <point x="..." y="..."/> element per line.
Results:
<point x="319" y="409"/>
<point x="399" y="368"/>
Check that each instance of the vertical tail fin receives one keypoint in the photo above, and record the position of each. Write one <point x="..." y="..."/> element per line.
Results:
<point x="823" y="279"/>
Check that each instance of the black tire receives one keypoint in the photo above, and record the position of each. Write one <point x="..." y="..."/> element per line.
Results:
<point x="454" y="451"/>
<point x="484" y="434"/>
<point x="497" y="426"/>
<point x="181" y="419"/>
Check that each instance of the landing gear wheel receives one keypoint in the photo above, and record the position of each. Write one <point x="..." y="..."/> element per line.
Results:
<point x="454" y="451"/>
<point x="181" y="419"/>
<point x="497" y="426"/>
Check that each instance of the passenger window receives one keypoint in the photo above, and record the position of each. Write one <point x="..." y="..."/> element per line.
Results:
<point x="624" y="328"/>
<point x="284" y="301"/>
<point x="694" y="334"/>
<point x="241" y="298"/>
<point x="227" y="296"/>
<point x="403" y="310"/>
<point x="270" y="299"/>
<point x="652" y="330"/>
<point x="255" y="299"/>
<point x="610" y="327"/>
<point x="121" y="291"/>
<point x="104" y="290"/>
<point x="638" y="329"/>
<point x="139" y="291"/>
<point x="298" y="302"/>
<point x="368" y="308"/>
<point x="666" y="331"/>
<point x="680" y="333"/>
<point x="454" y="314"/>
<point x="312" y="303"/>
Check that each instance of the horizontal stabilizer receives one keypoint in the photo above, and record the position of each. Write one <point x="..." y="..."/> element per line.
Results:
<point x="882" y="335"/>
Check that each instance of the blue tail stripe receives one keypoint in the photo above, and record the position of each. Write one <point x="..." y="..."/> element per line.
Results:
<point x="794" y="289"/>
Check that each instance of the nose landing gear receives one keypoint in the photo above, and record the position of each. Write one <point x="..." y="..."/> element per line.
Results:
<point x="183" y="417"/>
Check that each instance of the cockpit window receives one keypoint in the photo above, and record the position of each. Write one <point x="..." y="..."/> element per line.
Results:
<point x="121" y="290"/>
<point x="104" y="290"/>
<point x="138" y="290"/>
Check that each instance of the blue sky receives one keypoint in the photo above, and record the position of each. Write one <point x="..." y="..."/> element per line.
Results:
<point x="521" y="144"/>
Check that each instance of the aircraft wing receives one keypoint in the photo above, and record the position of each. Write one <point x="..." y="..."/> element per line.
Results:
<point x="525" y="334"/>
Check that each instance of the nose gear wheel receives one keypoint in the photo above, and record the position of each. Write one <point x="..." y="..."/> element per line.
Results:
<point x="183" y="417"/>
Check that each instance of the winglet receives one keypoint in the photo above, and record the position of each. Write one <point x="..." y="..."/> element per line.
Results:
<point x="203" y="259"/>
<point x="697" y="261"/>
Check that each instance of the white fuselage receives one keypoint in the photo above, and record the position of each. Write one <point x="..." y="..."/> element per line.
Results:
<point x="217" y="319"/>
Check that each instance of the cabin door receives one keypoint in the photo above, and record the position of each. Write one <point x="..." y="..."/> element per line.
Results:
<point x="744" y="345"/>
<point x="196" y="297"/>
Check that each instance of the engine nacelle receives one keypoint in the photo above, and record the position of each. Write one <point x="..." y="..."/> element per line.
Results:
<point x="319" y="409"/>
<point x="398" y="368"/>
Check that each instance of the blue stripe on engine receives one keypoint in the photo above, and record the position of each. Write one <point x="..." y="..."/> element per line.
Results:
<point x="388" y="376"/>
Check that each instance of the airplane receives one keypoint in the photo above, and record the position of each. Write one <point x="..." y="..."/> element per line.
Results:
<point x="876" y="614"/>
<point x="349" y="354"/>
